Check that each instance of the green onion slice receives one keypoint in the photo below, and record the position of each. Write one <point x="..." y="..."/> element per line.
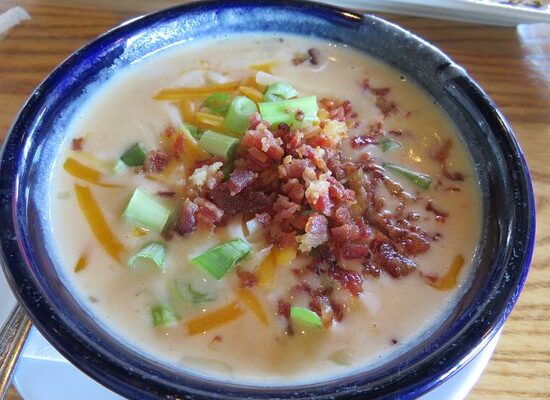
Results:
<point x="193" y="130"/>
<point x="237" y="119"/>
<point x="146" y="211"/>
<point x="163" y="314"/>
<point x="154" y="252"/>
<point x="423" y="181"/>
<point x="218" y="102"/>
<point x="305" y="316"/>
<point x="186" y="292"/>
<point x="120" y="167"/>
<point x="388" y="144"/>
<point x="218" y="144"/>
<point x="218" y="260"/>
<point x="279" y="91"/>
<point x="292" y="112"/>
<point x="134" y="156"/>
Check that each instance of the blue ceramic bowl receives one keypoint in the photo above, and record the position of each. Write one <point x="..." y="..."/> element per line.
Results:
<point x="25" y="174"/>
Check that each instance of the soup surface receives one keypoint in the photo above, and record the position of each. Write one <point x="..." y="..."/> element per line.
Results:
<point x="347" y="221"/>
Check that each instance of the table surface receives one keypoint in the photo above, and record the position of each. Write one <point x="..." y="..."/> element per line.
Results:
<point x="513" y="65"/>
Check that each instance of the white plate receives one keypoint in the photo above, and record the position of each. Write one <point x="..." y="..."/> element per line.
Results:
<point x="490" y="12"/>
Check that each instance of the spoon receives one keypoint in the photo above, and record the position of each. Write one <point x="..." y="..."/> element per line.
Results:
<point x="12" y="339"/>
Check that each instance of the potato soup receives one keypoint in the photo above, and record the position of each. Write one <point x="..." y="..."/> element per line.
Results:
<point x="266" y="210"/>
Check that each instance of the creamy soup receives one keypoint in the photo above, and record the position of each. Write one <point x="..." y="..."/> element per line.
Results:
<point x="267" y="210"/>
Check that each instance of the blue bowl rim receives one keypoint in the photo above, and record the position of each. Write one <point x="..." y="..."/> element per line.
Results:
<point x="136" y="385"/>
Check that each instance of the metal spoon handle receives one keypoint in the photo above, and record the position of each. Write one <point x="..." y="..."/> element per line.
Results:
<point x="12" y="338"/>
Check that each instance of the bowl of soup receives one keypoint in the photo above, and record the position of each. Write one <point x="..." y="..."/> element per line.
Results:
<point x="268" y="200"/>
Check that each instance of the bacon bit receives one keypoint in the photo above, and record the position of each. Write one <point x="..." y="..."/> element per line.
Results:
<point x="453" y="176"/>
<point x="208" y="213"/>
<point x="283" y="310"/>
<point x="300" y="58"/>
<point x="324" y="205"/>
<point x="440" y="216"/>
<point x="392" y="262"/>
<point x="453" y="189"/>
<point x="316" y="233"/>
<point x="387" y="107"/>
<point x="76" y="144"/>
<point x="239" y="180"/>
<point x="442" y="152"/>
<point x="294" y="190"/>
<point x="380" y="91"/>
<point x="395" y="132"/>
<point x="258" y="155"/>
<point x="217" y="339"/>
<point x="178" y="146"/>
<point x="338" y="310"/>
<point x="363" y="140"/>
<point x="166" y="193"/>
<point x="351" y="251"/>
<point x="264" y="219"/>
<point x="338" y="192"/>
<point x="284" y="208"/>
<point x="350" y="280"/>
<point x="299" y="115"/>
<point x="246" y="278"/>
<point x="285" y="239"/>
<point x="371" y="269"/>
<point x="394" y="341"/>
<point x="246" y="201"/>
<point x="339" y="111"/>
<point x="314" y="55"/>
<point x="187" y="222"/>
<point x="155" y="161"/>
<point x="396" y="190"/>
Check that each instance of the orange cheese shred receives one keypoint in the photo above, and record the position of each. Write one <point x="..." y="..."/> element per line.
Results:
<point x="214" y="319"/>
<point x="81" y="171"/>
<point x="450" y="279"/>
<point x="187" y="109"/>
<point x="97" y="222"/>
<point x="266" y="271"/>
<point x="252" y="93"/>
<point x="81" y="264"/>
<point x="178" y="94"/>
<point x="247" y="297"/>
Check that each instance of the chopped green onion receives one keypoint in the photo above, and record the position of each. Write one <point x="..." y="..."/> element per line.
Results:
<point x="146" y="211"/>
<point x="218" y="144"/>
<point x="237" y="119"/>
<point x="389" y="144"/>
<point x="218" y="102"/>
<point x="190" y="294"/>
<point x="164" y="315"/>
<point x="120" y="167"/>
<point x="154" y="252"/>
<point x="134" y="156"/>
<point x="305" y="316"/>
<point x="291" y="112"/>
<point x="193" y="130"/>
<point x="421" y="180"/>
<point x="218" y="260"/>
<point x="280" y="91"/>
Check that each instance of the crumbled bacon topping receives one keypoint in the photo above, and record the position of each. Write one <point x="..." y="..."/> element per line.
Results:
<point x="304" y="193"/>
<point x="76" y="144"/>
<point x="155" y="161"/>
